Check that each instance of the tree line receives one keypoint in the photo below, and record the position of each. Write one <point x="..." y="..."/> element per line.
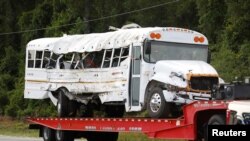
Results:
<point x="224" y="22"/>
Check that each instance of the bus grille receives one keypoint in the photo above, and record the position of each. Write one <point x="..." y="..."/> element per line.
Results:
<point x="203" y="83"/>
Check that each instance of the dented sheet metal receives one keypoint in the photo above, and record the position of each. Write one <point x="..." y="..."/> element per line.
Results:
<point x="92" y="42"/>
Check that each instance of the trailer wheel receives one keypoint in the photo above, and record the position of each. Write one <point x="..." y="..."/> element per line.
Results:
<point x="63" y="136"/>
<point x="48" y="134"/>
<point x="157" y="106"/>
<point x="217" y="120"/>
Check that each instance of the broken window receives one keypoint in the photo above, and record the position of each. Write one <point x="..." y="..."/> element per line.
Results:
<point x="116" y="56"/>
<point x="93" y="59"/>
<point x="67" y="60"/>
<point x="46" y="57"/>
<point x="76" y="62"/>
<point x="98" y="58"/>
<point x="31" y="58"/>
<point x="107" y="58"/>
<point x="52" y="61"/>
<point x="124" y="55"/>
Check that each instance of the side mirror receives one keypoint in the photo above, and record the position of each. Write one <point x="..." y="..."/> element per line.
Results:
<point x="208" y="56"/>
<point x="147" y="46"/>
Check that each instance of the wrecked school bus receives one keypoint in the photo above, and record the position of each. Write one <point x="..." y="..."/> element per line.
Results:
<point x="130" y="69"/>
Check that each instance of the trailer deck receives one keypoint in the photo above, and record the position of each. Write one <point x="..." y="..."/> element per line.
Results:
<point x="188" y="126"/>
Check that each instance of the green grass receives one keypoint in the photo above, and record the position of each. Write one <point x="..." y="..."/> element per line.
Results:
<point x="136" y="137"/>
<point x="11" y="127"/>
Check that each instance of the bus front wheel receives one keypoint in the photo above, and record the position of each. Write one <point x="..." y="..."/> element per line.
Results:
<point x="157" y="106"/>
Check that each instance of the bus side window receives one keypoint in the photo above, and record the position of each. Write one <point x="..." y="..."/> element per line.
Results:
<point x="124" y="55"/>
<point x="46" y="57"/>
<point x="38" y="62"/>
<point x="98" y="58"/>
<point x="116" y="56"/>
<point x="107" y="58"/>
<point x="93" y="59"/>
<point x="31" y="58"/>
<point x="52" y="61"/>
<point x="67" y="60"/>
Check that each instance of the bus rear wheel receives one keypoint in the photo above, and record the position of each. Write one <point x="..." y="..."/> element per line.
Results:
<point x="65" y="107"/>
<point x="157" y="106"/>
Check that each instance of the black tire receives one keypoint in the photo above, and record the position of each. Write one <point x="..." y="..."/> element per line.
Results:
<point x="48" y="134"/>
<point x="65" y="107"/>
<point x="114" y="110"/>
<point x="217" y="119"/>
<point x="63" y="104"/>
<point x="63" y="136"/>
<point x="157" y="106"/>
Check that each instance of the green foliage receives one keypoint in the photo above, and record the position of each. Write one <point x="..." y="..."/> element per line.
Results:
<point x="212" y="18"/>
<point x="238" y="28"/>
<point x="9" y="62"/>
<point x="225" y="23"/>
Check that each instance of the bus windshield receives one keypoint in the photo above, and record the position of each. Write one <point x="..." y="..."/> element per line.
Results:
<point x="175" y="51"/>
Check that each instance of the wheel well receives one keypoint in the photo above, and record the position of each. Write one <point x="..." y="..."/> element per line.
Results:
<point x="55" y="93"/>
<point x="202" y="118"/>
<point x="150" y="85"/>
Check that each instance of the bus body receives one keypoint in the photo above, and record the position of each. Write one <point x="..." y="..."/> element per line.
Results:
<point x="154" y="68"/>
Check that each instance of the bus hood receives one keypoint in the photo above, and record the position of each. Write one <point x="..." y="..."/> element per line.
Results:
<point x="178" y="72"/>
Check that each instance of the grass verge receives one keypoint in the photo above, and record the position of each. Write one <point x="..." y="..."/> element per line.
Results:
<point x="12" y="127"/>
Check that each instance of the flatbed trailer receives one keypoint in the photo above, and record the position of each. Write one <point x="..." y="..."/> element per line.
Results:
<point x="190" y="126"/>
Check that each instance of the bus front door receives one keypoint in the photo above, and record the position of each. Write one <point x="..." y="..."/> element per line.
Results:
<point x="135" y="77"/>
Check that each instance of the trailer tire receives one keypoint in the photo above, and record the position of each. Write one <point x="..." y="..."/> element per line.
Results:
<point x="157" y="106"/>
<point x="217" y="119"/>
<point x="63" y="136"/>
<point x="48" y="134"/>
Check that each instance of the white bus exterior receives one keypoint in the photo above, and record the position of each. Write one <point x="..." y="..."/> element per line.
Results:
<point x="154" y="68"/>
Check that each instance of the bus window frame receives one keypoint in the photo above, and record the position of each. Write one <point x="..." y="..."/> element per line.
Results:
<point x="144" y="49"/>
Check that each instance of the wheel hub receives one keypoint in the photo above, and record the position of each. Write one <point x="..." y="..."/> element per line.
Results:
<point x="155" y="102"/>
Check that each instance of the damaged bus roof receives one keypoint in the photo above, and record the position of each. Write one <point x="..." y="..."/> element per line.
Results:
<point x="95" y="41"/>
